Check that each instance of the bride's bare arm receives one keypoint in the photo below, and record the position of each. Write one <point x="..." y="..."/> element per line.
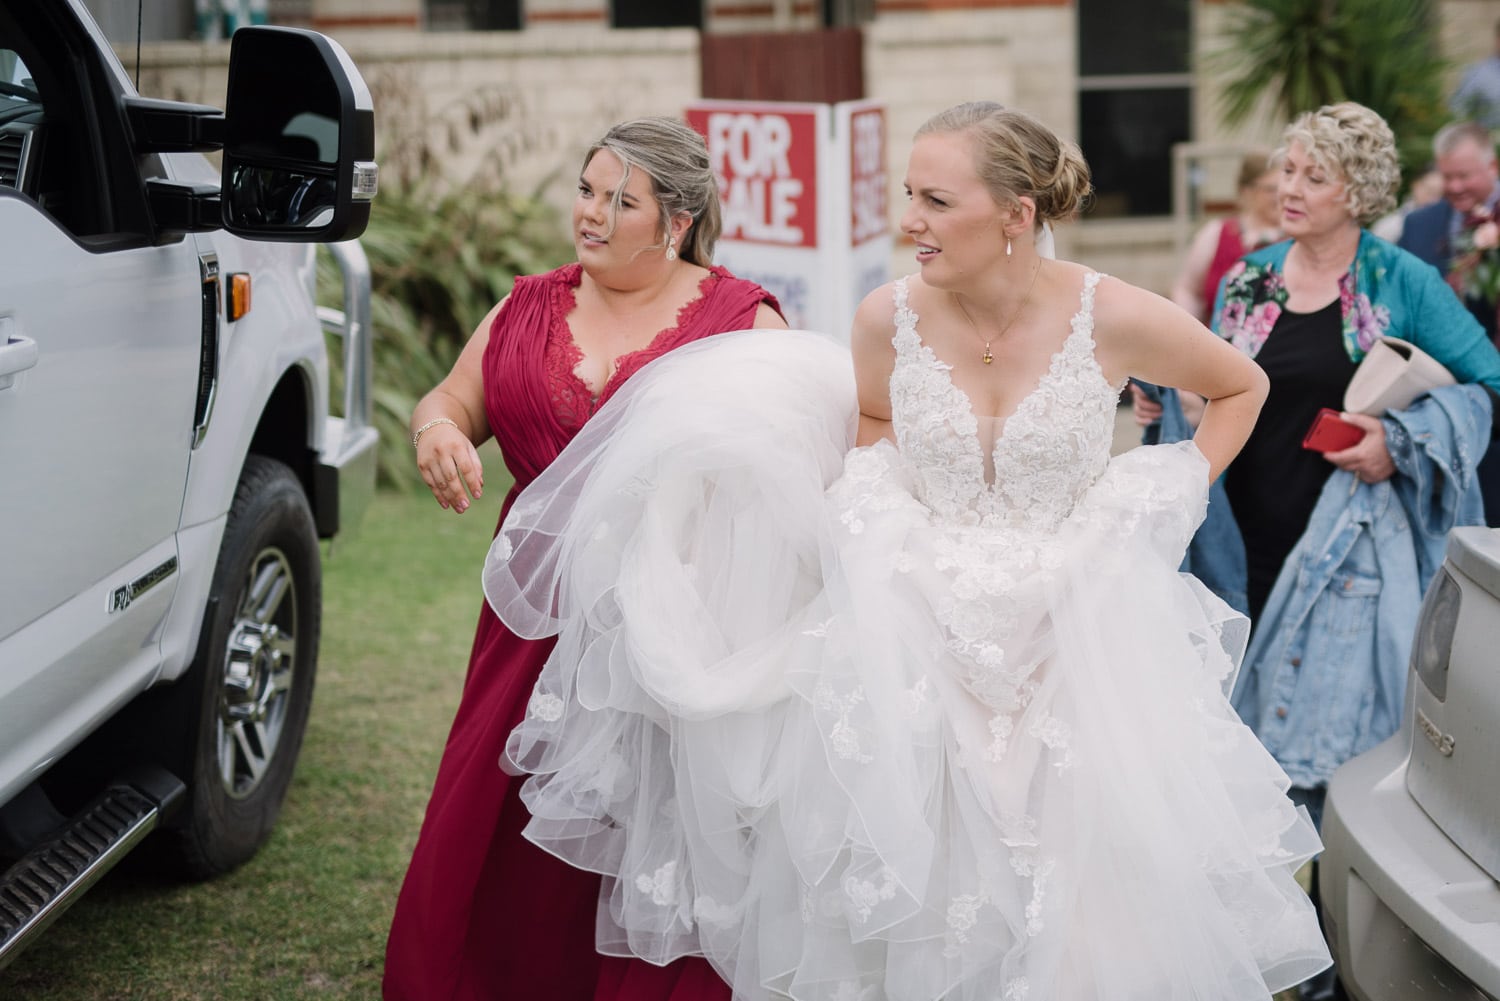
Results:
<point x="874" y="358"/>
<point x="1143" y="335"/>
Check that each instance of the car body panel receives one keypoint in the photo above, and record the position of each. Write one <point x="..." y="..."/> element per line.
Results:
<point x="1410" y="901"/>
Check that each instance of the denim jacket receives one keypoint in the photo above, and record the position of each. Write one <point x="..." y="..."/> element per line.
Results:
<point x="1325" y="675"/>
<point x="1216" y="553"/>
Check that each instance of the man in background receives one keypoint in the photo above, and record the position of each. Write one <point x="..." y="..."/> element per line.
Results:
<point x="1465" y="156"/>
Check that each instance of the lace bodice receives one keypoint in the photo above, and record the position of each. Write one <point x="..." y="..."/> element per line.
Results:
<point x="1049" y="451"/>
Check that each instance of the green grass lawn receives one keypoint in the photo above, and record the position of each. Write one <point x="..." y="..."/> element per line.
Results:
<point x="307" y="917"/>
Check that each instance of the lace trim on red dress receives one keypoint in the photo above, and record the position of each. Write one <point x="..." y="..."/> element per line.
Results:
<point x="573" y="400"/>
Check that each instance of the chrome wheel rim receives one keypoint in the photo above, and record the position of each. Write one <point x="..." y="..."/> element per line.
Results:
<point x="259" y="665"/>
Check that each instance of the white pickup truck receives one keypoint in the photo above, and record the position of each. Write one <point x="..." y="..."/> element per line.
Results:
<point x="168" y="462"/>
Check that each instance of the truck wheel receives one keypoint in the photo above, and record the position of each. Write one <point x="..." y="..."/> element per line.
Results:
<point x="252" y="681"/>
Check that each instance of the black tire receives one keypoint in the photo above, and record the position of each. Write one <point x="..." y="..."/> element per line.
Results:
<point x="251" y="685"/>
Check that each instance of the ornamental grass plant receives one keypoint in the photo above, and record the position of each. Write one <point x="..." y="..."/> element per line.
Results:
<point x="439" y="260"/>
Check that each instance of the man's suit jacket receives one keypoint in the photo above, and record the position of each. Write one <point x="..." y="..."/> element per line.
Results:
<point x="1425" y="234"/>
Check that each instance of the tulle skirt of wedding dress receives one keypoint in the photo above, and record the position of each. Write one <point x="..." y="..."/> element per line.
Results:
<point x="848" y="752"/>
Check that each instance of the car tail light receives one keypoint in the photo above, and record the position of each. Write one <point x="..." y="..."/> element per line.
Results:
<point x="1434" y="639"/>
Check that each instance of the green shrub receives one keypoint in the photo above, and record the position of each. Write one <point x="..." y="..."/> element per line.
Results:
<point x="438" y="263"/>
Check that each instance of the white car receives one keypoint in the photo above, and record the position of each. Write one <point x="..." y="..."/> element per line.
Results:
<point x="1411" y="827"/>
<point x="169" y="455"/>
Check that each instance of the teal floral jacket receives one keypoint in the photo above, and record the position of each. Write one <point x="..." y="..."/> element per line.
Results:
<point x="1386" y="292"/>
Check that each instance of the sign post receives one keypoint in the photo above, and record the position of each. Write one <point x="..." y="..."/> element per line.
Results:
<point x="802" y="188"/>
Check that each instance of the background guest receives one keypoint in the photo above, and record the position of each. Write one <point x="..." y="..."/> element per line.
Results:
<point x="1221" y="242"/>
<point x="1465" y="156"/>
<point x="1341" y="545"/>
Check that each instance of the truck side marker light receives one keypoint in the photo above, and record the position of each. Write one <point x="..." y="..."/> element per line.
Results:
<point x="239" y="295"/>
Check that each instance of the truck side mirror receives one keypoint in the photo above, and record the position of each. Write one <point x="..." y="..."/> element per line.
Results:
<point x="299" y="139"/>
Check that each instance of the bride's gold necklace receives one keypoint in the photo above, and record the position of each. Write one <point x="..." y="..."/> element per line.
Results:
<point x="988" y="357"/>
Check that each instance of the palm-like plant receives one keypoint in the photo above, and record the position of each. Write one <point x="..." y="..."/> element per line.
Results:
<point x="1307" y="53"/>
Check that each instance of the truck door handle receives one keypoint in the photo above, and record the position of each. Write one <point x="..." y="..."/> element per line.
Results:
<point x="17" y="354"/>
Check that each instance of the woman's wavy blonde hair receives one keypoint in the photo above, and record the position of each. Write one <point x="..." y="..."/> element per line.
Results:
<point x="1355" y="144"/>
<point x="1014" y="155"/>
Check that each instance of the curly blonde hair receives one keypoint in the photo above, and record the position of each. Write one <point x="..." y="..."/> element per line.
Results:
<point x="1356" y="145"/>
<point x="1017" y="155"/>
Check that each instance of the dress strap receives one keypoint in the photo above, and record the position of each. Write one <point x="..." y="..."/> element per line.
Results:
<point x="1083" y="320"/>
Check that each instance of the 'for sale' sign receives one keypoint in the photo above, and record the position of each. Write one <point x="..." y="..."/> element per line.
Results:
<point x="766" y="161"/>
<point x="767" y="166"/>
<point x="802" y="194"/>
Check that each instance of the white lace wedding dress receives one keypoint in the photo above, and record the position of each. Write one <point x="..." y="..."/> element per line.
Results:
<point x="932" y="722"/>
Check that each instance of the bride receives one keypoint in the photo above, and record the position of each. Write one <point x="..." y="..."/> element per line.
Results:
<point x="933" y="716"/>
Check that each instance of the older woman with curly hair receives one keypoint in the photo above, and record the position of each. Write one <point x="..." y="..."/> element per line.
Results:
<point x="1339" y="545"/>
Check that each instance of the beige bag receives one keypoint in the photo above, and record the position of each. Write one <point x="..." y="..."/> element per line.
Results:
<point x="1394" y="373"/>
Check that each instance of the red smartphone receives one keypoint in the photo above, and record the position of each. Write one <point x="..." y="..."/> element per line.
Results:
<point x="1331" y="433"/>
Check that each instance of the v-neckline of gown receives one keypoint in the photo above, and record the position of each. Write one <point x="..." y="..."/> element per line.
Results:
<point x="1084" y="313"/>
<point x="617" y="365"/>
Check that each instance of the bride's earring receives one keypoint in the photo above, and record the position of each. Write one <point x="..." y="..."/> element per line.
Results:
<point x="672" y="249"/>
<point x="1007" y="246"/>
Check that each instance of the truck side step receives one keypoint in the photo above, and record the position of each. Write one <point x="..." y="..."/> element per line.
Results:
<point x="54" y="874"/>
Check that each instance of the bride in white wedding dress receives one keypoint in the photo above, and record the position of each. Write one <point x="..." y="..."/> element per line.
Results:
<point x="931" y="717"/>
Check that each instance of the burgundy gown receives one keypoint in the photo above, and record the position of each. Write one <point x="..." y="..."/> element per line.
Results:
<point x="484" y="914"/>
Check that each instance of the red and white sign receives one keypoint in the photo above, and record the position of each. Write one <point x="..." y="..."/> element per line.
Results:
<point x="869" y="216"/>
<point x="802" y="191"/>
<point x="766" y="161"/>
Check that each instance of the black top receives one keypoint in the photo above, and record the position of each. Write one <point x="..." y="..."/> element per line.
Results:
<point x="1273" y="484"/>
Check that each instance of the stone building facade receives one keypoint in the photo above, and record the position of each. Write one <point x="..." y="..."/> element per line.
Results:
<point x="461" y="105"/>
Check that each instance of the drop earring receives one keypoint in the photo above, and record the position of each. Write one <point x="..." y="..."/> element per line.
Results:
<point x="672" y="249"/>
<point x="1007" y="246"/>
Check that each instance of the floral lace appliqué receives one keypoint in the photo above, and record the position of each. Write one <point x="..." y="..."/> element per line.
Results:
<point x="843" y="738"/>
<point x="661" y="885"/>
<point x="545" y="706"/>
<point x="864" y="895"/>
<point x="1055" y="444"/>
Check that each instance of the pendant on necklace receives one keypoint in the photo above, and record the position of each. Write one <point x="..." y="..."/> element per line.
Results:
<point x="986" y="357"/>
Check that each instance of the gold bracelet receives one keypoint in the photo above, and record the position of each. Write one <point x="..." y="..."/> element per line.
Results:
<point x="417" y="435"/>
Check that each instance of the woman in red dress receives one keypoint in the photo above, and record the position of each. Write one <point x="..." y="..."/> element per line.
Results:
<point x="484" y="914"/>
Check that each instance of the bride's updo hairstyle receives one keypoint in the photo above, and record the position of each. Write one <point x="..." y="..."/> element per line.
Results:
<point x="1014" y="155"/>
<point x="676" y="159"/>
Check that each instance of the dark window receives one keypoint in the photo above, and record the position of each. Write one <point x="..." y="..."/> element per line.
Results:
<point x="656" y="14"/>
<point x="1133" y="36"/>
<point x="474" y="15"/>
<point x="1134" y="100"/>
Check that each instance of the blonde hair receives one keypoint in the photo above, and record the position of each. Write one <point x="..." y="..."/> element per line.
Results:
<point x="675" y="158"/>
<point x="1015" y="155"/>
<point x="1353" y="142"/>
